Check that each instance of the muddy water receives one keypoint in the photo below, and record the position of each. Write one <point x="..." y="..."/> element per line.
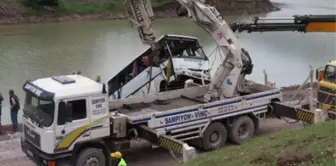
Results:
<point x="105" y="47"/>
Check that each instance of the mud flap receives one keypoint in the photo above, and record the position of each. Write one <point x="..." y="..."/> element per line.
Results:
<point x="282" y="110"/>
<point x="171" y="144"/>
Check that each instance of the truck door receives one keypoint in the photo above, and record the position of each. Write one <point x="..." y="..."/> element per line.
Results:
<point x="99" y="116"/>
<point x="68" y="133"/>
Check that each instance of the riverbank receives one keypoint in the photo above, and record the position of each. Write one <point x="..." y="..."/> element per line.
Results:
<point x="13" y="12"/>
<point x="312" y="145"/>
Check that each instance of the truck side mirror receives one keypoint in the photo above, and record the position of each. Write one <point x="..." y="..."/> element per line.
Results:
<point x="69" y="112"/>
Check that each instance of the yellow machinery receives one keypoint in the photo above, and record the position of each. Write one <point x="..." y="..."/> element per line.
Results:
<point x="326" y="76"/>
<point x="326" y="95"/>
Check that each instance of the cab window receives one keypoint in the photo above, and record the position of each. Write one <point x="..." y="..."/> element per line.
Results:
<point x="79" y="111"/>
<point x="330" y="73"/>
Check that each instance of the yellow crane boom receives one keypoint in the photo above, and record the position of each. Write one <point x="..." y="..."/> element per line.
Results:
<point x="300" y="23"/>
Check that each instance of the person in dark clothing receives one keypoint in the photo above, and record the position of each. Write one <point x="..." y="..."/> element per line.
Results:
<point x="1" y="99"/>
<point x="14" y="109"/>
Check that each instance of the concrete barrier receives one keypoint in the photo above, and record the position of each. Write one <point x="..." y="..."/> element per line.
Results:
<point x="320" y="116"/>
<point x="189" y="153"/>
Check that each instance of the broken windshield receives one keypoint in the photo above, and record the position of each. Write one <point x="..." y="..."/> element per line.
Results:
<point x="39" y="111"/>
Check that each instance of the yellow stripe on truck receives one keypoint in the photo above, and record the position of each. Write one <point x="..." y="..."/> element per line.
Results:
<point x="169" y="69"/>
<point x="67" y="141"/>
<point x="327" y="84"/>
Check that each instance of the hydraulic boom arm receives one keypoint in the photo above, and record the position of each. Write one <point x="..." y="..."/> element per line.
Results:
<point x="304" y="23"/>
<point x="142" y="16"/>
<point x="229" y="78"/>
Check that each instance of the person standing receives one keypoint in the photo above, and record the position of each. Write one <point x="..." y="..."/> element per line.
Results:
<point x="1" y="99"/>
<point x="14" y="109"/>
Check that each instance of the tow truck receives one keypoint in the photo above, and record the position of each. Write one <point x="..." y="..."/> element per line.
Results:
<point x="70" y="119"/>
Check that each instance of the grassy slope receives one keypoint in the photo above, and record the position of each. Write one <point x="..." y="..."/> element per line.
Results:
<point x="91" y="6"/>
<point x="313" y="145"/>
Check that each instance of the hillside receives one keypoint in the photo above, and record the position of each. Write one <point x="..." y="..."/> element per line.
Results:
<point x="14" y="11"/>
<point x="312" y="145"/>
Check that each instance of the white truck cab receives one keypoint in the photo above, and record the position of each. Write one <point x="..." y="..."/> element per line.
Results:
<point x="60" y="111"/>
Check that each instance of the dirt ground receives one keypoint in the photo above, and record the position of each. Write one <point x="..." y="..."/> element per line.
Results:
<point x="141" y="154"/>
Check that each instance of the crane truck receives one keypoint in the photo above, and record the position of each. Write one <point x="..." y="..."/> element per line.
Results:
<point x="325" y="76"/>
<point x="70" y="119"/>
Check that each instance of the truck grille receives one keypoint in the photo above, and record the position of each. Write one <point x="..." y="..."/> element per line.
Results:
<point x="32" y="136"/>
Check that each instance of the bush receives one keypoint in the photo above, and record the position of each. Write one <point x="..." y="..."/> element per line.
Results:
<point x="37" y="4"/>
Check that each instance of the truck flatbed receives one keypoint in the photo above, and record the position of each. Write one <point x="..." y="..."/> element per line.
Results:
<point x="157" y="112"/>
<point x="156" y="106"/>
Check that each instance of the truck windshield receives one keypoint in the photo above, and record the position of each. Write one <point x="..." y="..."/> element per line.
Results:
<point x="330" y="73"/>
<point x="193" y="54"/>
<point x="39" y="111"/>
<point x="200" y="53"/>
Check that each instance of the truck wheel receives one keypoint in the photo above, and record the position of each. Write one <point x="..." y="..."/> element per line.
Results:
<point x="214" y="137"/>
<point x="91" y="156"/>
<point x="241" y="130"/>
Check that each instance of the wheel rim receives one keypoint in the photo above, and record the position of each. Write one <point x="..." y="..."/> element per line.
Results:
<point x="92" y="161"/>
<point x="214" y="137"/>
<point x="243" y="131"/>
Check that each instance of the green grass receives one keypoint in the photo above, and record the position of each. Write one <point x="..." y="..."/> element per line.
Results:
<point x="312" y="145"/>
<point x="78" y="7"/>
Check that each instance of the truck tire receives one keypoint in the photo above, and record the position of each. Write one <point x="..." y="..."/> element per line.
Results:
<point x="91" y="156"/>
<point x="214" y="137"/>
<point x="242" y="130"/>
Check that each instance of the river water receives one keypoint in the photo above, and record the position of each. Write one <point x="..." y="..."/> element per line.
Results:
<point x="105" y="47"/>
